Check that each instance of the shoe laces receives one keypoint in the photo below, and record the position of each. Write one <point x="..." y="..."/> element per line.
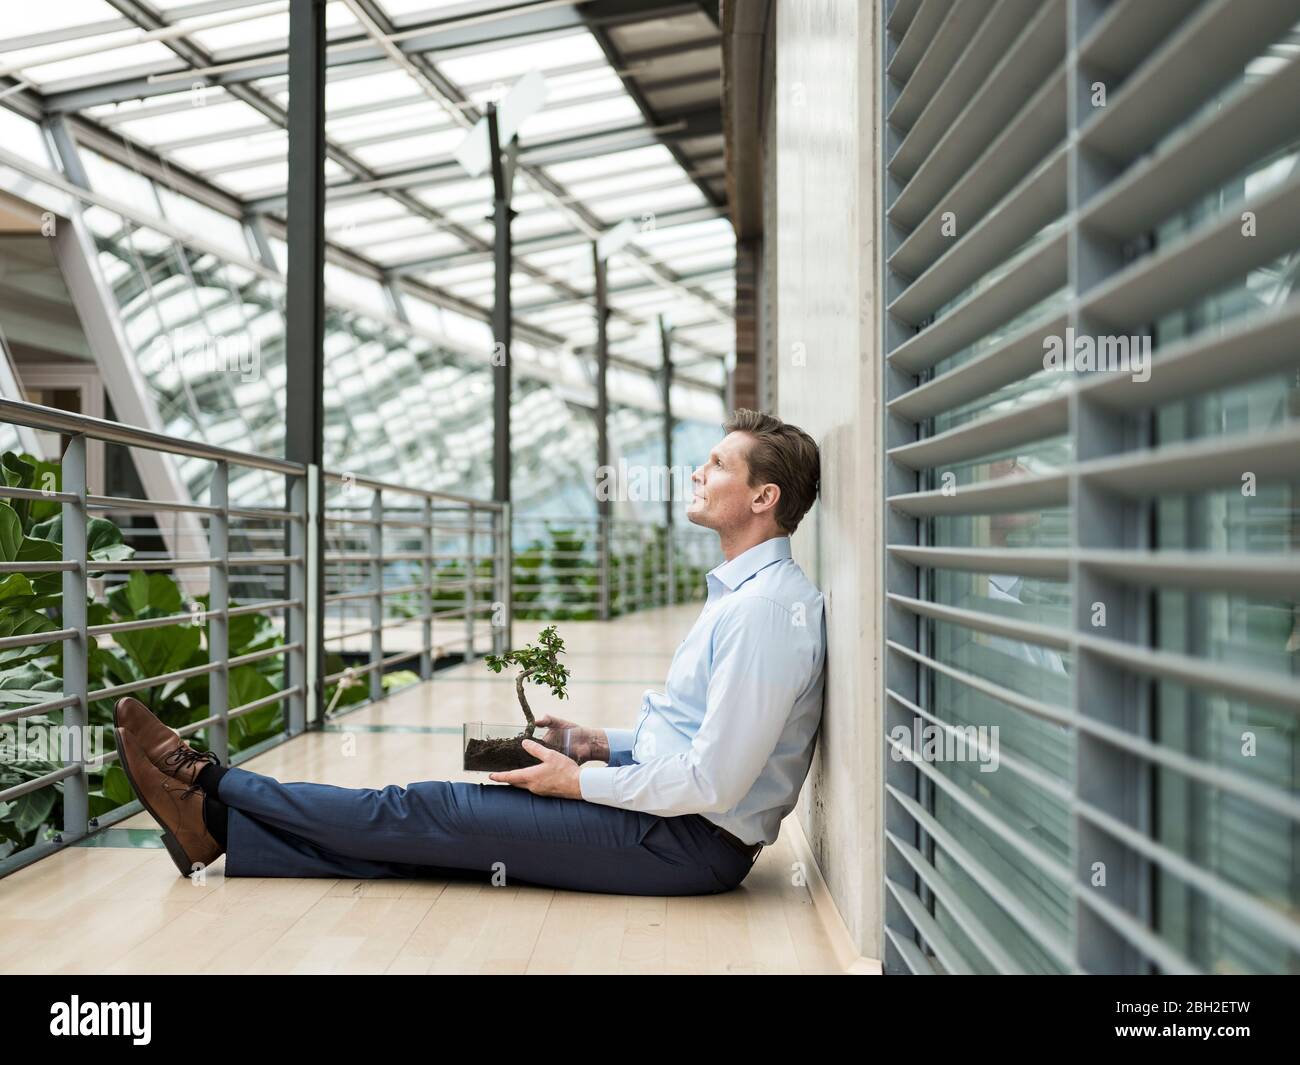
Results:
<point x="185" y="755"/>
<point x="186" y="792"/>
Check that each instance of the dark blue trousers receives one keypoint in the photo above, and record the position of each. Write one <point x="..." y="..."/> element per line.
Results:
<point x="489" y="832"/>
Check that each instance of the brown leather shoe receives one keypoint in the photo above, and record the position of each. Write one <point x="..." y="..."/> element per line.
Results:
<point x="176" y="807"/>
<point x="162" y="745"/>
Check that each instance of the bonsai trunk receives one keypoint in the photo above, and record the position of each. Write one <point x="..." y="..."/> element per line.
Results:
<point x="523" y="702"/>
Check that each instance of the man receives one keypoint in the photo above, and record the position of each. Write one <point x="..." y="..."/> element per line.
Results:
<point x="684" y="802"/>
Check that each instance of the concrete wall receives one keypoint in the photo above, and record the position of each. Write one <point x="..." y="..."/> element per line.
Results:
<point x="827" y="370"/>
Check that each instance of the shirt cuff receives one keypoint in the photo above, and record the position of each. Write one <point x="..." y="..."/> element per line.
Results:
<point x="620" y="739"/>
<point x="597" y="784"/>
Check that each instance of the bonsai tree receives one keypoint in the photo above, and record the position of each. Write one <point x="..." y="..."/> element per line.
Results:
<point x="539" y="663"/>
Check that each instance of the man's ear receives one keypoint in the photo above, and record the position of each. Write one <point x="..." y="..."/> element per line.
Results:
<point x="766" y="498"/>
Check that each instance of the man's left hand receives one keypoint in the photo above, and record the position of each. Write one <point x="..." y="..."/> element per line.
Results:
<point x="557" y="775"/>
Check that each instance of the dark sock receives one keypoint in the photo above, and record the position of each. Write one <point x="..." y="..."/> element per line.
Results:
<point x="209" y="777"/>
<point x="214" y="815"/>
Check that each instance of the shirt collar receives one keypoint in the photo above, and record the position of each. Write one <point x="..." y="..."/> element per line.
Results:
<point x="736" y="572"/>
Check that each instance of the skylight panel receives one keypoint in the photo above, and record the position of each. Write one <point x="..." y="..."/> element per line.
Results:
<point x="553" y="121"/>
<point x="388" y="84"/>
<point x="625" y="162"/>
<point x="641" y="204"/>
<point x="214" y="116"/>
<point x="27" y="20"/>
<point x="114" y="52"/>
<point x="410" y="151"/>
<point x="270" y="29"/>
<point x="429" y="243"/>
<point x="255" y="179"/>
<point x="510" y="63"/>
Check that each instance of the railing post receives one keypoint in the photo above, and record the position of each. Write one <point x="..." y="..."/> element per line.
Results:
<point x="426" y="584"/>
<point x="602" y="566"/>
<point x="505" y="568"/>
<point x="624" y="579"/>
<point x="670" y="559"/>
<point x="377" y="598"/>
<point x="641" y="558"/>
<point x="300" y="663"/>
<point x="218" y="604"/>
<point x="470" y="577"/>
<point x="76" y="802"/>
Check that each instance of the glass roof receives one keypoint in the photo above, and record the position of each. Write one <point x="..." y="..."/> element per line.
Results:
<point x="203" y="86"/>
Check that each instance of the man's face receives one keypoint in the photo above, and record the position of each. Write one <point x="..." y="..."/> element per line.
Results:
<point x="722" y="494"/>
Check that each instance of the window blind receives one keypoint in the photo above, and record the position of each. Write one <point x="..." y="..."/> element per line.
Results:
<point x="1091" y="374"/>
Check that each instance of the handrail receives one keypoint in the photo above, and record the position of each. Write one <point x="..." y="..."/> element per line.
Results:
<point x="51" y="419"/>
<point x="361" y="481"/>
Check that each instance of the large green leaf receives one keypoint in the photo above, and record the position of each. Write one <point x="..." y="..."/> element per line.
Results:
<point x="29" y="676"/>
<point x="11" y="533"/>
<point x="159" y="651"/>
<point x="247" y="685"/>
<point x="116" y="787"/>
<point x="20" y="621"/>
<point x="156" y="592"/>
<point x="103" y="539"/>
<point x="34" y="549"/>
<point x="26" y="471"/>
<point x="33" y="809"/>
<point x="18" y="473"/>
<point x="14" y="586"/>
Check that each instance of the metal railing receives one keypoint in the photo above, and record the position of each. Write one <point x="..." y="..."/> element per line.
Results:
<point x="123" y="627"/>
<point x="404" y="558"/>
<point x="580" y="567"/>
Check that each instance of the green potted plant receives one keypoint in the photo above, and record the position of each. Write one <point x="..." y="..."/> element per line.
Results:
<point x="496" y="747"/>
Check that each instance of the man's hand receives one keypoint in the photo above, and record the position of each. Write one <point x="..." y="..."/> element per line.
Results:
<point x="557" y="776"/>
<point x="584" y="744"/>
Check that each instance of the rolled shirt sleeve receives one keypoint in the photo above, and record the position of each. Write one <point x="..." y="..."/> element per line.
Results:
<point x="759" y="665"/>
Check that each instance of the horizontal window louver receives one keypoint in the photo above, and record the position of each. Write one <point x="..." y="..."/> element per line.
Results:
<point x="1091" y="374"/>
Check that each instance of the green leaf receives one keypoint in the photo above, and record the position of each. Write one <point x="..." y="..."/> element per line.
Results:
<point x="34" y="549"/>
<point x="251" y="632"/>
<point x="18" y="621"/>
<point x="116" y="787"/>
<point x="247" y="685"/>
<point x="51" y="529"/>
<point x="29" y="676"/>
<point x="104" y="542"/>
<point x="13" y="586"/>
<point x="11" y="533"/>
<point x="159" y="651"/>
<point x="103" y="539"/>
<point x="26" y="471"/>
<point x="33" y="809"/>
<point x="17" y="471"/>
<point x="145" y="592"/>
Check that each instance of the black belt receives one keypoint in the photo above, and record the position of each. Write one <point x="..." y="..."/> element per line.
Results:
<point x="749" y="850"/>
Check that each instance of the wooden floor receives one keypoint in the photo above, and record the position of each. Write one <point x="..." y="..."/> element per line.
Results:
<point x="116" y="903"/>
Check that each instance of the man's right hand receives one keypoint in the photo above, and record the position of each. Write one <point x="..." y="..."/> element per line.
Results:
<point x="583" y="744"/>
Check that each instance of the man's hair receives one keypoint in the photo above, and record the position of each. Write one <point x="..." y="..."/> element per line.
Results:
<point x="783" y="455"/>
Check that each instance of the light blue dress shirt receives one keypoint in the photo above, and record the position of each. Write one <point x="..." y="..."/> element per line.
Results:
<point x="731" y="736"/>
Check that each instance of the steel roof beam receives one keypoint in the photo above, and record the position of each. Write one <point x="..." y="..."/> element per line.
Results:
<point x="347" y="48"/>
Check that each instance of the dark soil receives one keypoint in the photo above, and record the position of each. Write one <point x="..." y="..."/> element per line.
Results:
<point x="497" y="755"/>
